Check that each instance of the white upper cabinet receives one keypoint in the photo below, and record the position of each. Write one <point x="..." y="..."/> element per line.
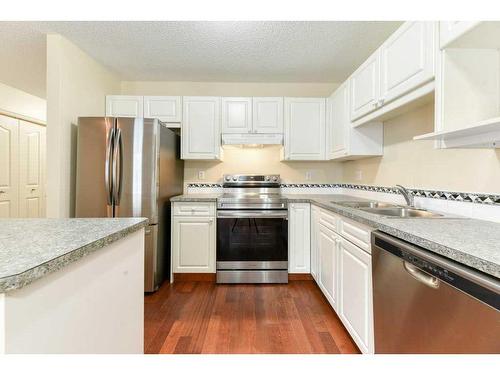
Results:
<point x="449" y="31"/>
<point x="124" y="106"/>
<point x="261" y="115"/>
<point x="164" y="108"/>
<point x="237" y="115"/>
<point x="365" y="87"/>
<point x="305" y="129"/>
<point x="345" y="142"/>
<point x="268" y="115"/>
<point x="338" y="122"/>
<point x="406" y="60"/>
<point x="201" y="127"/>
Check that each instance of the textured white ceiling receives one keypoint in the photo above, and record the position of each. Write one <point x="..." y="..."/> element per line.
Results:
<point x="198" y="51"/>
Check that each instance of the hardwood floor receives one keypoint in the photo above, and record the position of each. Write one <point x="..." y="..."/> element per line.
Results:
<point x="203" y="317"/>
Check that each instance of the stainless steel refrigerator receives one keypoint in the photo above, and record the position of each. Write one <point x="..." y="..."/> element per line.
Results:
<point x="130" y="167"/>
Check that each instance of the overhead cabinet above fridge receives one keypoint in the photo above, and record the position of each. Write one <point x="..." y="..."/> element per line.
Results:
<point x="167" y="109"/>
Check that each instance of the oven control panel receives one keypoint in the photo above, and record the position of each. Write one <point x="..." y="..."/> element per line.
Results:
<point x="252" y="179"/>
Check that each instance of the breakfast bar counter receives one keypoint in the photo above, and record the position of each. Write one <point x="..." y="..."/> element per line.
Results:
<point x="61" y="279"/>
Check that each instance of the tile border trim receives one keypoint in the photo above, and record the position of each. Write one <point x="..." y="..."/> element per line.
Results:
<point x="480" y="198"/>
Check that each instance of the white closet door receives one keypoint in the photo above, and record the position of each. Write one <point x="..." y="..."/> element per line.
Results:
<point x="31" y="156"/>
<point x="9" y="180"/>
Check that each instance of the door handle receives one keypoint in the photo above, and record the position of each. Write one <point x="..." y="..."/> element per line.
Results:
<point x="117" y="167"/>
<point x="108" y="166"/>
<point x="419" y="275"/>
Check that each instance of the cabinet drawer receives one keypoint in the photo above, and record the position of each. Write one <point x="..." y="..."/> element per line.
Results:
<point x="328" y="219"/>
<point x="357" y="233"/>
<point x="194" y="209"/>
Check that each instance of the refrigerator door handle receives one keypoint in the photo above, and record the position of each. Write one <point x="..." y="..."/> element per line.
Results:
<point x="117" y="167"/>
<point x="108" y="167"/>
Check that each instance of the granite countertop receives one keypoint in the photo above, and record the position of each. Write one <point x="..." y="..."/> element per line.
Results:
<point x="32" y="248"/>
<point x="195" y="198"/>
<point x="474" y="243"/>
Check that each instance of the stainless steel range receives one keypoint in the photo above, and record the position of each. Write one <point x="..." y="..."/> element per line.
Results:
<point x="252" y="230"/>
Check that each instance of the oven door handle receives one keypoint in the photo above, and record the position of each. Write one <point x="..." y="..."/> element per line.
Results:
<point x="267" y="214"/>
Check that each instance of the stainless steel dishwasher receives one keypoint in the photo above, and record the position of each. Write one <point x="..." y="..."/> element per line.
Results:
<point x="425" y="303"/>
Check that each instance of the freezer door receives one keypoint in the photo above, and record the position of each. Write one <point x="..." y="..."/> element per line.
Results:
<point x="135" y="182"/>
<point x="93" y="170"/>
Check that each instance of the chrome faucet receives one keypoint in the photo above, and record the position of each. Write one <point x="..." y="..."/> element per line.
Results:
<point x="406" y="194"/>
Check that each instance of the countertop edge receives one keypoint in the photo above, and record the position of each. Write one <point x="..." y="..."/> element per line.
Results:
<point x="20" y="280"/>
<point x="456" y="255"/>
<point x="184" y="198"/>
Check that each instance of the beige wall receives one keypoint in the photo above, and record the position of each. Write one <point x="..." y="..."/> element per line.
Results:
<point x="76" y="86"/>
<point x="237" y="160"/>
<point x="16" y="103"/>
<point x="261" y="160"/>
<point x="417" y="164"/>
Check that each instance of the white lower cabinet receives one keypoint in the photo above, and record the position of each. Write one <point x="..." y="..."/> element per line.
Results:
<point x="355" y="291"/>
<point x="193" y="244"/>
<point x="299" y="240"/>
<point x="328" y="264"/>
<point x="315" y="212"/>
<point x="342" y="270"/>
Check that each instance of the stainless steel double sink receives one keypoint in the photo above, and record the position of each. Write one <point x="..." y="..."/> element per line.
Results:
<point x="389" y="210"/>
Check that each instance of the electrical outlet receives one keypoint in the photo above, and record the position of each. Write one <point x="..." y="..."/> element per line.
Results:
<point x="201" y="175"/>
<point x="308" y="176"/>
<point x="359" y="175"/>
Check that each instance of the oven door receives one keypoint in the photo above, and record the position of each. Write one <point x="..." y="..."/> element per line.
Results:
<point x="251" y="239"/>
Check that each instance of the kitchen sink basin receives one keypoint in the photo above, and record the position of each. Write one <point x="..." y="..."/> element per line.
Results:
<point x="402" y="212"/>
<point x="366" y="204"/>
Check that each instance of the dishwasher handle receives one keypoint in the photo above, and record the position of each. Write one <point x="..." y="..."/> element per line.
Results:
<point x="421" y="276"/>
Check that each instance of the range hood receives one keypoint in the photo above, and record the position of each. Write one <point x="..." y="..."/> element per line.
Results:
<point x="252" y="139"/>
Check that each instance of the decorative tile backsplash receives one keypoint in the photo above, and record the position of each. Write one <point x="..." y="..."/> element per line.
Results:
<point x="480" y="198"/>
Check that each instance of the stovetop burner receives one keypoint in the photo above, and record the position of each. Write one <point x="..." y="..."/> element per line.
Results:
<point x="251" y="192"/>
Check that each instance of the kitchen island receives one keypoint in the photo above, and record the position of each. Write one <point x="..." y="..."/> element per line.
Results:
<point x="72" y="285"/>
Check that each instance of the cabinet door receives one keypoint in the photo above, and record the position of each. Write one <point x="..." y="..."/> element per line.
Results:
<point x="365" y="87"/>
<point x="315" y="213"/>
<point x="328" y="264"/>
<point x="339" y="123"/>
<point x="451" y="30"/>
<point x="356" y="300"/>
<point x="407" y="60"/>
<point x="201" y="127"/>
<point x="305" y="129"/>
<point x="124" y="106"/>
<point x="299" y="240"/>
<point x="164" y="108"/>
<point x="237" y="115"/>
<point x="9" y="167"/>
<point x="193" y="244"/>
<point x="31" y="156"/>
<point x="268" y="115"/>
